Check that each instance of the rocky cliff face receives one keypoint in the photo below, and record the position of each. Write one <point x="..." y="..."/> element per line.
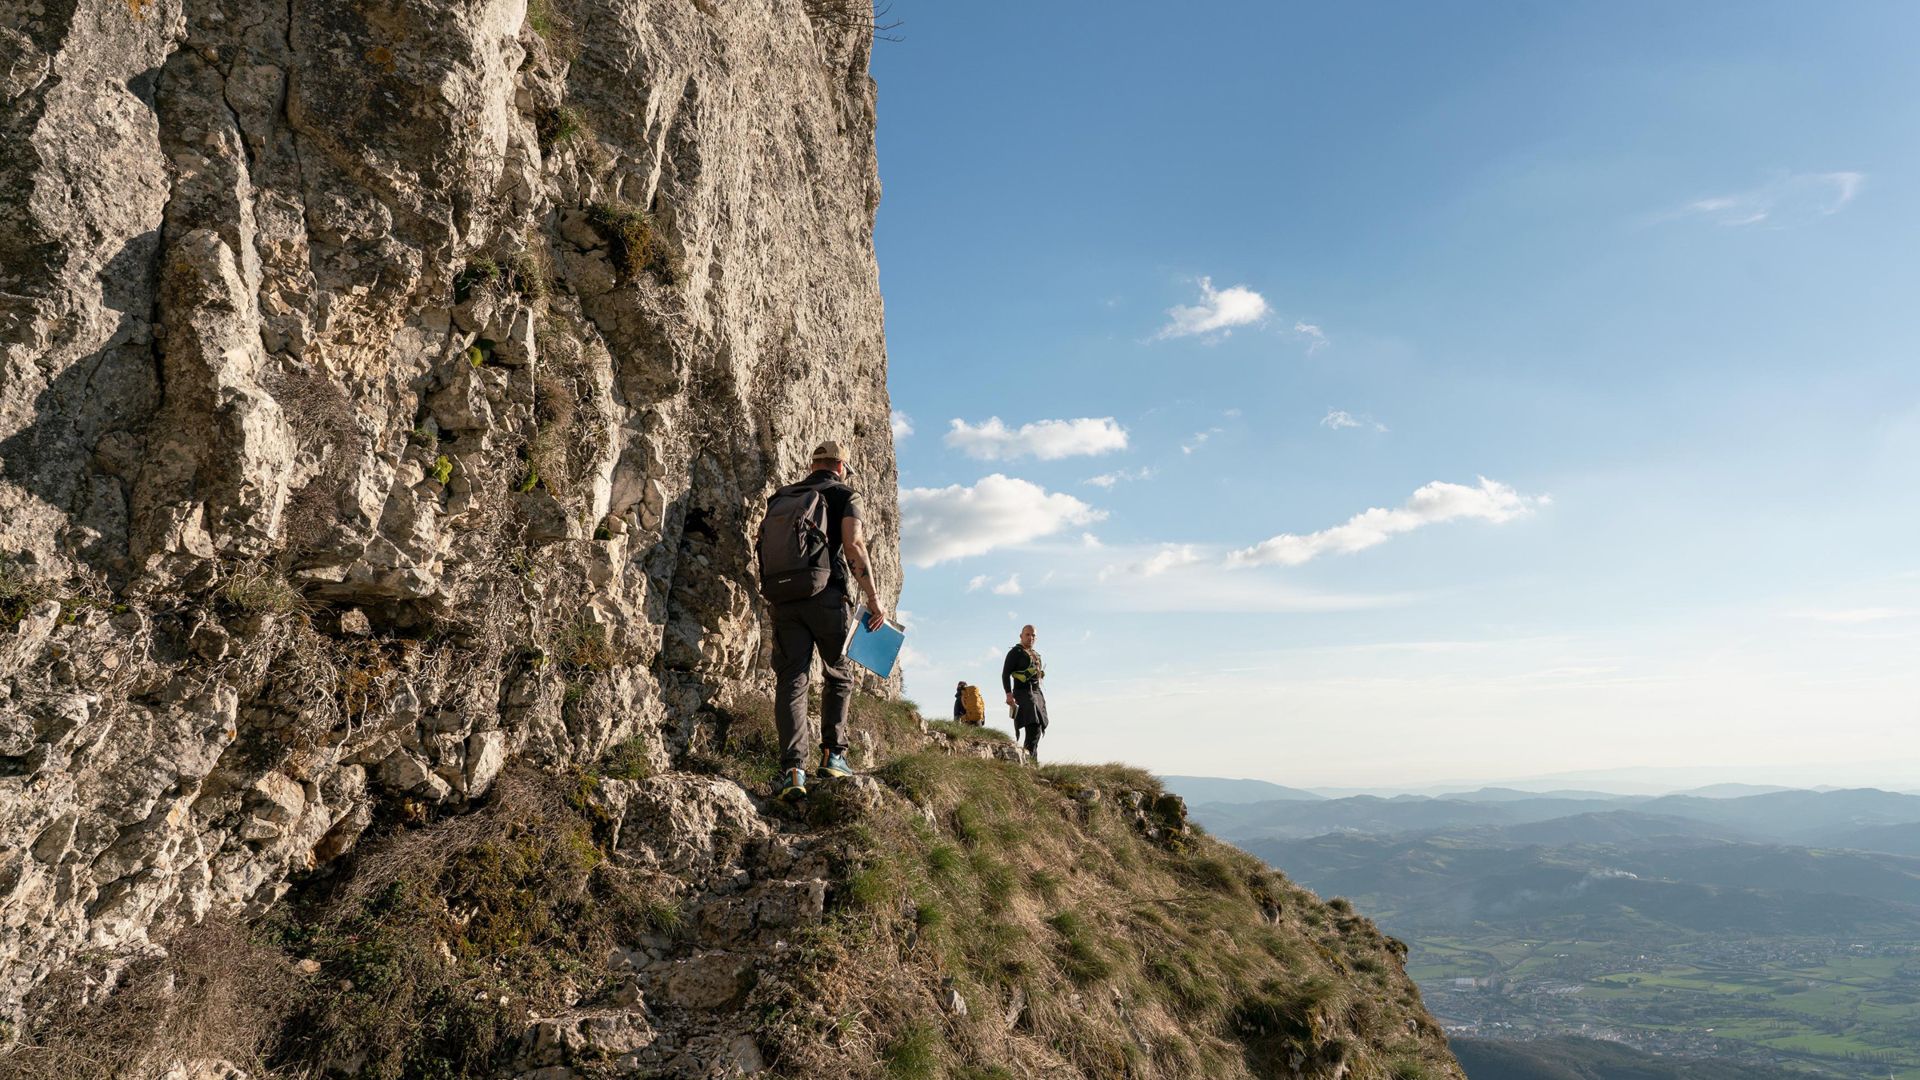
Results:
<point x="387" y="390"/>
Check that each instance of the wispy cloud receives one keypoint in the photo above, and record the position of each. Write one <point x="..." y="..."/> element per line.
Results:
<point x="1120" y="476"/>
<point x="1009" y="587"/>
<point x="1341" y="418"/>
<point x="1851" y="616"/>
<point x="1430" y="505"/>
<point x="1047" y="440"/>
<point x="902" y="425"/>
<point x="1316" y="338"/>
<point x="1217" y="313"/>
<point x="1789" y="199"/>
<point x="1169" y="557"/>
<point x="1199" y="439"/>
<point x="938" y="524"/>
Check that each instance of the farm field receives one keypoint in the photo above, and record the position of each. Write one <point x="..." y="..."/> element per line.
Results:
<point x="1830" y="1008"/>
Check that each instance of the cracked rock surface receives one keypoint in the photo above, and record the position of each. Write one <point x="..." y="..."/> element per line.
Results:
<point x="388" y="390"/>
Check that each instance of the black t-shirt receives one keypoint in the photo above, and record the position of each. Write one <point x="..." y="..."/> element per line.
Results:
<point x="842" y="503"/>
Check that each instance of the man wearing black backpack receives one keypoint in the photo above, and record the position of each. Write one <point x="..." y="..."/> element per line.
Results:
<point x="810" y="549"/>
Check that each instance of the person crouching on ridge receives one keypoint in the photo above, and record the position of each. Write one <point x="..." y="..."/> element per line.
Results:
<point x="810" y="548"/>
<point x="1020" y="677"/>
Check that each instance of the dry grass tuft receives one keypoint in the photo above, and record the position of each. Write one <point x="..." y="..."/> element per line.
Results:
<point x="633" y="243"/>
<point x="215" y="993"/>
<point x="255" y="588"/>
<point x="445" y="939"/>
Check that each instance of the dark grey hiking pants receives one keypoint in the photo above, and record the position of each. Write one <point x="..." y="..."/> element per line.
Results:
<point x="799" y="628"/>
<point x="1030" y="716"/>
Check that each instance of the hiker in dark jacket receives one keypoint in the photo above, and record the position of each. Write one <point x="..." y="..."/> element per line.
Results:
<point x="960" y="701"/>
<point x="1020" y="677"/>
<point x="822" y="622"/>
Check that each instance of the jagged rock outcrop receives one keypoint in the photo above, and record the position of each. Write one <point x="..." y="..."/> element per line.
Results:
<point x="387" y="390"/>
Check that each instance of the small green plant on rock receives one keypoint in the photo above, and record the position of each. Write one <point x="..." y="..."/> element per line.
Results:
<point x="632" y="242"/>
<point x="18" y="593"/>
<point x="528" y="274"/>
<point x="478" y="273"/>
<point x="544" y="19"/>
<point x="557" y="125"/>
<point x="442" y="469"/>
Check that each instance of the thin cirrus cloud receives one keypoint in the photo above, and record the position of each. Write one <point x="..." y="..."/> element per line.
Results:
<point x="1217" y="314"/>
<point x="1048" y="440"/>
<point x="1120" y="476"/>
<point x="1316" y="337"/>
<point x="954" y="522"/>
<point x="1337" y="419"/>
<point x="1855" y="616"/>
<point x="1199" y="439"/>
<point x="1169" y="557"/>
<point x="1432" y="504"/>
<point x="1790" y="199"/>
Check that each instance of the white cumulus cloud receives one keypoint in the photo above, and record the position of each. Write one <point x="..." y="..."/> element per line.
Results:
<point x="1218" y="312"/>
<point x="1430" y="505"/>
<point x="902" y="425"/>
<point x="953" y="522"/>
<point x="1047" y="440"/>
<point x="1009" y="587"/>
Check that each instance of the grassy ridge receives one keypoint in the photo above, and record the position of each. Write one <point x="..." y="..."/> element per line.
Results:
<point x="1052" y="922"/>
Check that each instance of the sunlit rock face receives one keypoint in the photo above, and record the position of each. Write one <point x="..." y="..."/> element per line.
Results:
<point x="388" y="390"/>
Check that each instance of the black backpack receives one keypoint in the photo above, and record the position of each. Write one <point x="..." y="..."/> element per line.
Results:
<point x="796" y="561"/>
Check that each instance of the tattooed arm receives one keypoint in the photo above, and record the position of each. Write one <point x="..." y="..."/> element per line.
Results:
<point x="862" y="569"/>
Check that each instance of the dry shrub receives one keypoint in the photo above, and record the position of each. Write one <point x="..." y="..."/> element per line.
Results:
<point x="443" y="940"/>
<point x="258" y="589"/>
<point x="216" y="993"/>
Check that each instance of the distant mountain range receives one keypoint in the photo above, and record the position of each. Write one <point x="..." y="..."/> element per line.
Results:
<point x="1214" y="789"/>
<point x="1856" y="818"/>
<point x="1447" y="881"/>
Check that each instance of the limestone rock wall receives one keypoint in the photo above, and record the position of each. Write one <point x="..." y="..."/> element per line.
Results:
<point x="388" y="388"/>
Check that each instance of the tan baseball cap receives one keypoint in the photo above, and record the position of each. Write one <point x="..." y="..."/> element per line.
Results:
<point x="829" y="451"/>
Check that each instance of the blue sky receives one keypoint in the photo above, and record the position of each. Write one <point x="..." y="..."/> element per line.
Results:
<point x="1607" y="310"/>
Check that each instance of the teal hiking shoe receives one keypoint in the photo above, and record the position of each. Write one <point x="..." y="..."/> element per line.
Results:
<point x="794" y="788"/>
<point x="835" y="765"/>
